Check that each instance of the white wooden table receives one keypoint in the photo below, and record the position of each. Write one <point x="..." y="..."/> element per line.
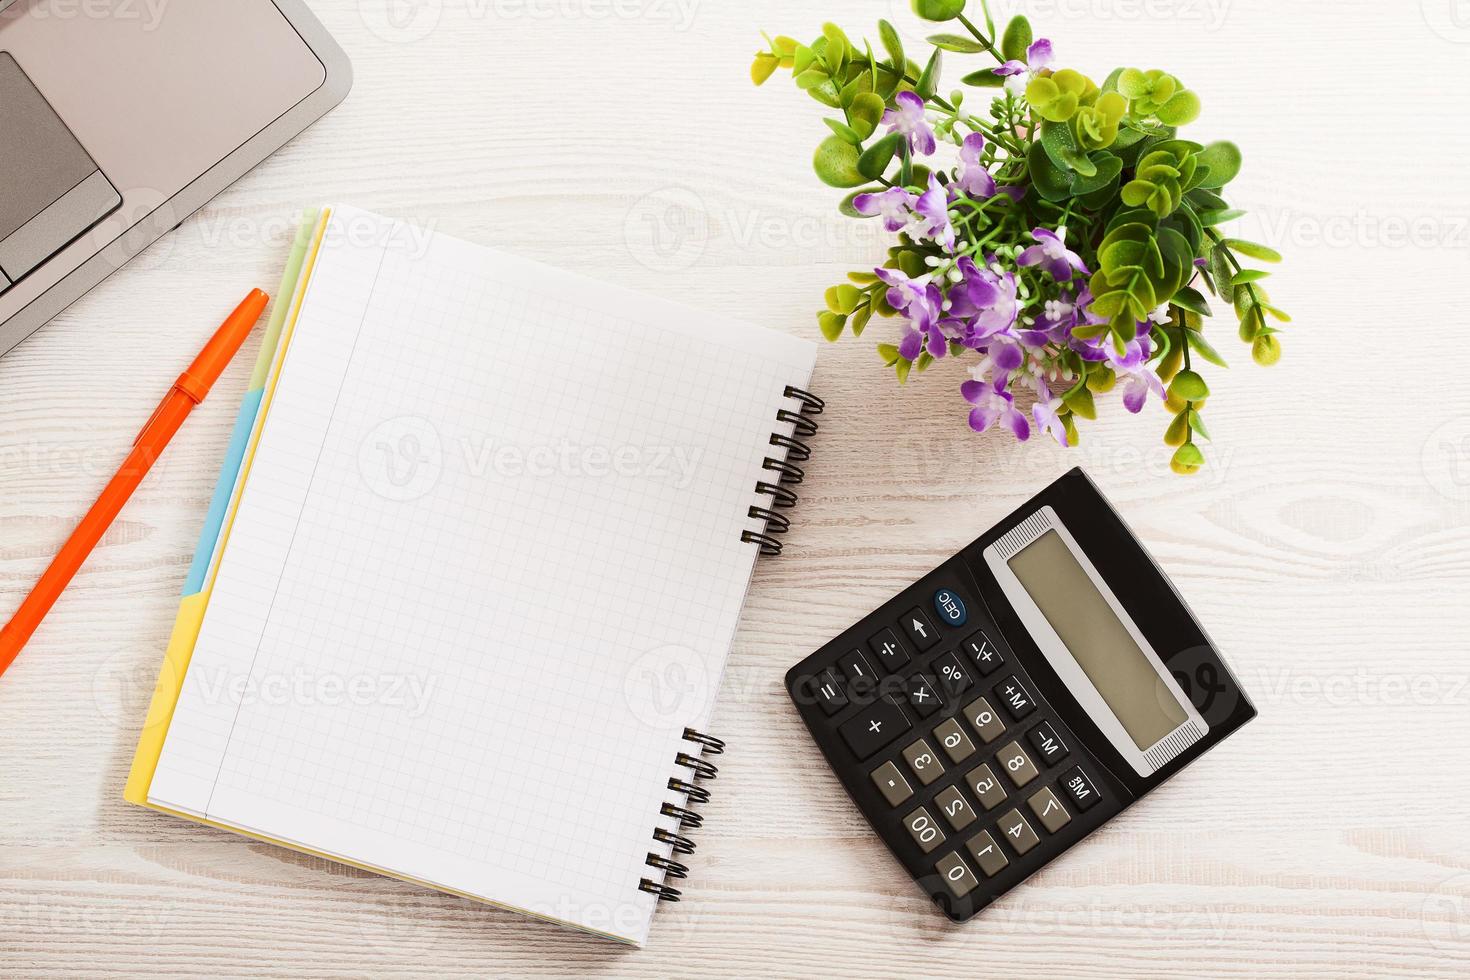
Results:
<point x="1327" y="546"/>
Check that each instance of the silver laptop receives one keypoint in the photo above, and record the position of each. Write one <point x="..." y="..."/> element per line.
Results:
<point x="119" y="120"/>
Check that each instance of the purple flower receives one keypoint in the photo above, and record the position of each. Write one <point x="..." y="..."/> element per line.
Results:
<point x="1038" y="56"/>
<point x="994" y="405"/>
<point x="931" y="215"/>
<point x="1137" y="383"/>
<point x="920" y="300"/>
<point x="993" y="292"/>
<point x="894" y="204"/>
<point x="973" y="178"/>
<point x="1046" y="414"/>
<point x="908" y="118"/>
<point x="1051" y="253"/>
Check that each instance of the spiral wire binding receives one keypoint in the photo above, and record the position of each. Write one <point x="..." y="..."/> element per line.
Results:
<point x="787" y="473"/>
<point x="688" y="818"/>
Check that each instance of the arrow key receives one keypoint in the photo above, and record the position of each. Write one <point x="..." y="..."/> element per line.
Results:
<point x="920" y="630"/>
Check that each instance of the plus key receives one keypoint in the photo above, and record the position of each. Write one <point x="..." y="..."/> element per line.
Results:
<point x="874" y="727"/>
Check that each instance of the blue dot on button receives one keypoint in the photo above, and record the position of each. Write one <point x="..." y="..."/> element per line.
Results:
<point x="950" y="607"/>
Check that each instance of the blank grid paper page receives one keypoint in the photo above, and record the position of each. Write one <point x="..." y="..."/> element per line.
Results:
<point x="486" y="569"/>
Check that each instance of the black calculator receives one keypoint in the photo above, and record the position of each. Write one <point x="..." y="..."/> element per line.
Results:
<point x="1016" y="698"/>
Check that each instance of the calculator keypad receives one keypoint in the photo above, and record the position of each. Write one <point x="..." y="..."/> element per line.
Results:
<point x="963" y="770"/>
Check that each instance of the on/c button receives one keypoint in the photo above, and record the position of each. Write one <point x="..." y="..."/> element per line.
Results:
<point x="950" y="607"/>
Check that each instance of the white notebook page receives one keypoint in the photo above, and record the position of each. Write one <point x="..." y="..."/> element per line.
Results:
<point x="486" y="569"/>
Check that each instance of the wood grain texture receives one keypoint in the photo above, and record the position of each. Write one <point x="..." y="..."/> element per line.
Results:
<point x="1327" y="546"/>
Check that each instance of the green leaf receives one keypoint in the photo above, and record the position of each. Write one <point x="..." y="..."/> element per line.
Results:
<point x="889" y="353"/>
<point x="923" y="360"/>
<point x="875" y="159"/>
<point x="1248" y="275"/>
<point x="1178" y="431"/>
<point x="839" y="48"/>
<point x="1223" y="159"/>
<point x="929" y="80"/>
<point x="1198" y="424"/>
<point x="938" y="9"/>
<point x="764" y="67"/>
<point x="865" y="113"/>
<point x="1189" y="386"/>
<point x="1017" y="39"/>
<point x="836" y="163"/>
<point x="891" y="44"/>
<point x="1061" y="147"/>
<point x="811" y="78"/>
<point x="1190" y="299"/>
<point x="1080" y="401"/>
<point x="1219" y="216"/>
<point x="1187" y="459"/>
<point x="984" y="78"/>
<point x="1183" y="108"/>
<point x="1108" y="168"/>
<point x="843" y="298"/>
<point x="1252" y="250"/>
<point x="954" y="42"/>
<point x="1050" y="181"/>
<point x="862" y="278"/>
<point x="1201" y="346"/>
<point x="831" y="324"/>
<point x="902" y="368"/>
<point x="1133" y="83"/>
<point x="1266" y="350"/>
<point x="859" y="320"/>
<point x="803" y="59"/>
<point x="844" y="131"/>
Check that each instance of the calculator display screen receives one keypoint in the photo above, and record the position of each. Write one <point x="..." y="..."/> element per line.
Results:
<point x="1097" y="639"/>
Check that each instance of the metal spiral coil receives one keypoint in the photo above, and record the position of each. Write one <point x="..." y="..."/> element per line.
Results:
<point x="695" y="794"/>
<point x="780" y="496"/>
<point x="775" y="523"/>
<point x="810" y="403"/>
<point x="671" y="869"/>
<point x="664" y="892"/>
<point x="688" y="819"/>
<point x="711" y="745"/>
<point x="795" y="448"/>
<point x="770" y="547"/>
<point x="680" y="843"/>
<point x="702" y="769"/>
<point x="800" y="423"/>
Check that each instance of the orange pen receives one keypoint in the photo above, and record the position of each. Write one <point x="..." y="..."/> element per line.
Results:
<point x="191" y="388"/>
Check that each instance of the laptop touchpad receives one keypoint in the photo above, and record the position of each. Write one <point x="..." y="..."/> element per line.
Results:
<point x="51" y="191"/>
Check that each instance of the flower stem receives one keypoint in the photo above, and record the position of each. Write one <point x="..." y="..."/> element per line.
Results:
<point x="989" y="45"/>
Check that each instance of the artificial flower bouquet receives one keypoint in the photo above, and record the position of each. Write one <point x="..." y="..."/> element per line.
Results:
<point x="1060" y="244"/>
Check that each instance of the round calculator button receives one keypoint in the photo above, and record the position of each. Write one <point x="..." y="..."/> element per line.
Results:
<point x="950" y="607"/>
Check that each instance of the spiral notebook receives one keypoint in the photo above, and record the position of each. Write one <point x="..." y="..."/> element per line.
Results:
<point x="467" y="620"/>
